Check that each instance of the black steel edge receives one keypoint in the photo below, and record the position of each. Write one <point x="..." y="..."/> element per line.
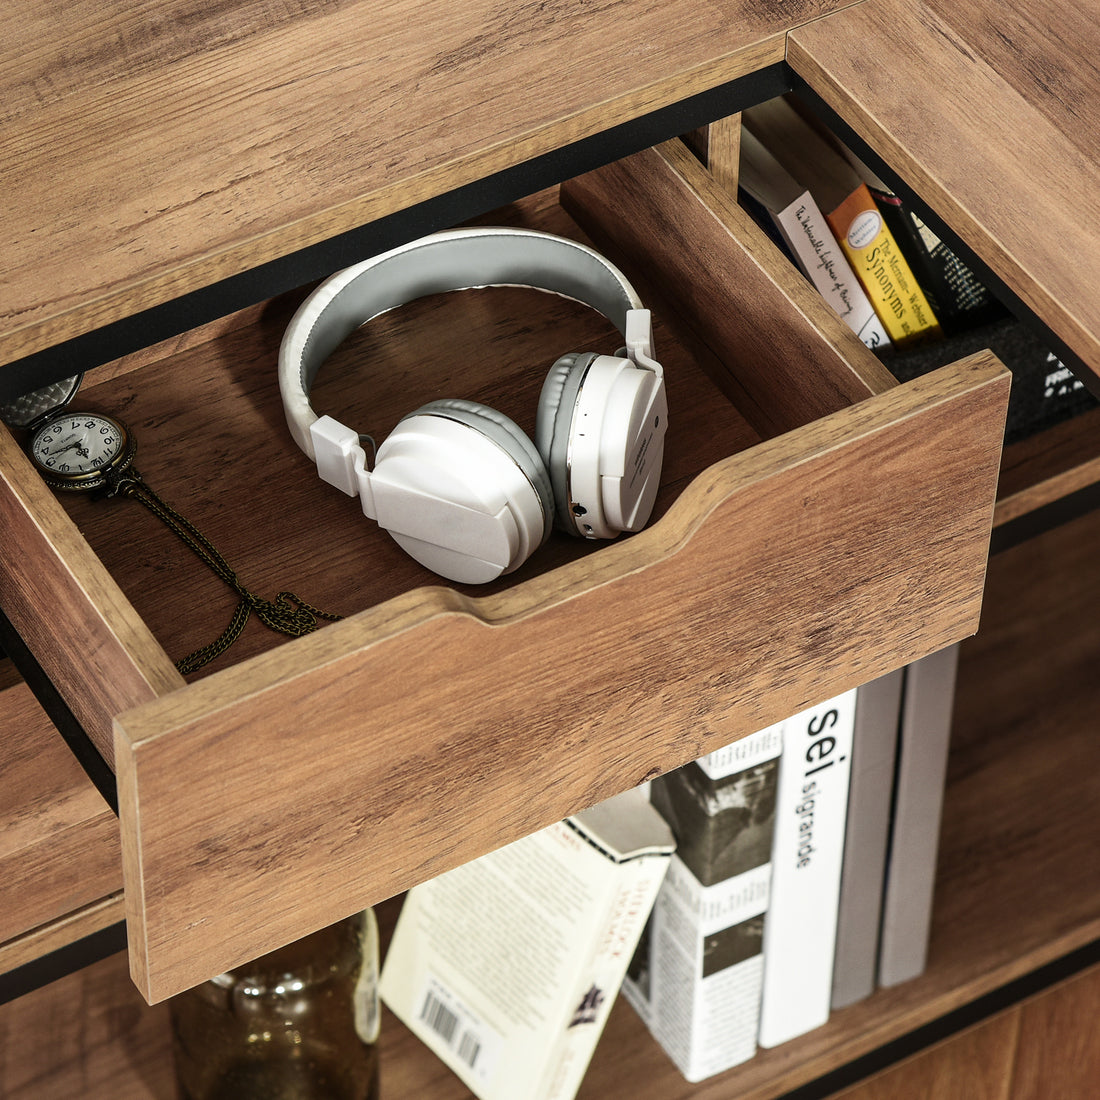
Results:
<point x="901" y="187"/>
<point x="65" y="960"/>
<point x="317" y="261"/>
<point x="951" y="1023"/>
<point x="80" y="744"/>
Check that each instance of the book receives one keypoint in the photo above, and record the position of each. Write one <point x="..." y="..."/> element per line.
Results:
<point x="507" y="967"/>
<point x="923" y="743"/>
<point x="866" y="837"/>
<point x="958" y="297"/>
<point x="807" y="854"/>
<point x="696" y="977"/>
<point x="809" y="239"/>
<point x="851" y="213"/>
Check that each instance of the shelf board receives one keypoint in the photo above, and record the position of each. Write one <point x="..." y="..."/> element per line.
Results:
<point x="59" y="841"/>
<point x="1048" y="466"/>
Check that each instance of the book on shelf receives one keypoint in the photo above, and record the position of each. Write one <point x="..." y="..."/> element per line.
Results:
<point x="507" y="967"/>
<point x="696" y="977"/>
<point x="921" y="769"/>
<point x="866" y="838"/>
<point x="958" y="297"/>
<point x="809" y="240"/>
<point x="807" y="855"/>
<point x="851" y="213"/>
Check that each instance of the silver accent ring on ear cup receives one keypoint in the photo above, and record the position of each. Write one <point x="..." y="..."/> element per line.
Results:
<point x="552" y="430"/>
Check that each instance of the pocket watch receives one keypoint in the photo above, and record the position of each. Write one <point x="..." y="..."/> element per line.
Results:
<point x="81" y="450"/>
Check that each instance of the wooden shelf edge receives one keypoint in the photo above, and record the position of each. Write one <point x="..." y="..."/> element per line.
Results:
<point x="62" y="932"/>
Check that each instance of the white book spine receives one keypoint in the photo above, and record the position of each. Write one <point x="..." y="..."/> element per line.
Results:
<point x="807" y="855"/>
<point x="814" y="247"/>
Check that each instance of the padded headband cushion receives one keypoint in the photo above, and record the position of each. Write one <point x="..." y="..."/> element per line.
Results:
<point x="507" y="435"/>
<point x="456" y="259"/>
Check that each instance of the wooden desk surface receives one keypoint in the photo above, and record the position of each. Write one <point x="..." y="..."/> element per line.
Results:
<point x="157" y="146"/>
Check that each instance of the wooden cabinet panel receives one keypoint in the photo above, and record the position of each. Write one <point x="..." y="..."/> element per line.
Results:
<point x="976" y="1065"/>
<point x="968" y="105"/>
<point x="185" y="159"/>
<point x="1058" y="1054"/>
<point x="59" y="842"/>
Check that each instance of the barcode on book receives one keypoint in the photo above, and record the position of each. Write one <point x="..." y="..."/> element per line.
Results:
<point x="470" y="1043"/>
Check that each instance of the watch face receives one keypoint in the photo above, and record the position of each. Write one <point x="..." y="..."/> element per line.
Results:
<point x="76" y="450"/>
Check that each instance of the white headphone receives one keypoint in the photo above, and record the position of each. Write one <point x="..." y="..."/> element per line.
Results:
<point x="458" y="485"/>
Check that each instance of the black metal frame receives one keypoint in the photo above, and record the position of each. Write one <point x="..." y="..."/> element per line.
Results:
<point x="80" y="744"/>
<point x="65" y="960"/>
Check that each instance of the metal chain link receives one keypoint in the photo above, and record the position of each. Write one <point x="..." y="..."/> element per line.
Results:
<point x="286" y="614"/>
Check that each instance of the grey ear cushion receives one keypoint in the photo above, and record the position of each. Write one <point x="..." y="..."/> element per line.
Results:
<point x="507" y="435"/>
<point x="553" y="423"/>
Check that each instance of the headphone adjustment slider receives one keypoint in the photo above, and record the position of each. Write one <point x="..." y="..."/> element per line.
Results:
<point x="341" y="460"/>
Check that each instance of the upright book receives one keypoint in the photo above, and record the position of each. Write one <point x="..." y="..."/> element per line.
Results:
<point x="958" y="297"/>
<point x="853" y="216"/>
<point x="866" y="838"/>
<point x="809" y="239"/>
<point x="696" y="977"/>
<point x="807" y="855"/>
<point x="925" y="738"/>
<point x="508" y="966"/>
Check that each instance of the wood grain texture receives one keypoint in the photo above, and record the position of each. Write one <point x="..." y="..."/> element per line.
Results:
<point x="87" y="1035"/>
<point x="154" y="148"/>
<point x="62" y="931"/>
<point x="790" y="572"/>
<point x="97" y="651"/>
<point x="1048" y="466"/>
<point x="976" y="1065"/>
<point x="992" y="116"/>
<point x="1058" y="1054"/>
<point x="719" y="271"/>
<point x="718" y="147"/>
<point x="59" y="844"/>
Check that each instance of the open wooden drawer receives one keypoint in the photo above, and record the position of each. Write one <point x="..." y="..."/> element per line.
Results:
<point x="818" y="525"/>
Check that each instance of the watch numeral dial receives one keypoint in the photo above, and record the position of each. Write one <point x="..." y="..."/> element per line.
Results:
<point x="80" y="451"/>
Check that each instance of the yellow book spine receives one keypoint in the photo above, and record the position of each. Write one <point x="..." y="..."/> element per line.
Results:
<point x="882" y="270"/>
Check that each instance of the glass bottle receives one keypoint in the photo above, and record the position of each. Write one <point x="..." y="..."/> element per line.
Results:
<point x="300" y="1023"/>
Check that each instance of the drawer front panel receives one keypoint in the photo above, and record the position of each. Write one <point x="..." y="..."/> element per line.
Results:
<point x="284" y="793"/>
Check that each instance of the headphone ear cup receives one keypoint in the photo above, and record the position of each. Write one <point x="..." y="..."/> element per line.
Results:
<point x="509" y="437"/>
<point x="554" y="423"/>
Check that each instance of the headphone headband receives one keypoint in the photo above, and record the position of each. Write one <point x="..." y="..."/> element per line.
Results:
<point x="456" y="259"/>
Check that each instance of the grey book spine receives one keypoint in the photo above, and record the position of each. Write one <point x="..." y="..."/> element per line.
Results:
<point x="870" y="796"/>
<point x="921" y="770"/>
